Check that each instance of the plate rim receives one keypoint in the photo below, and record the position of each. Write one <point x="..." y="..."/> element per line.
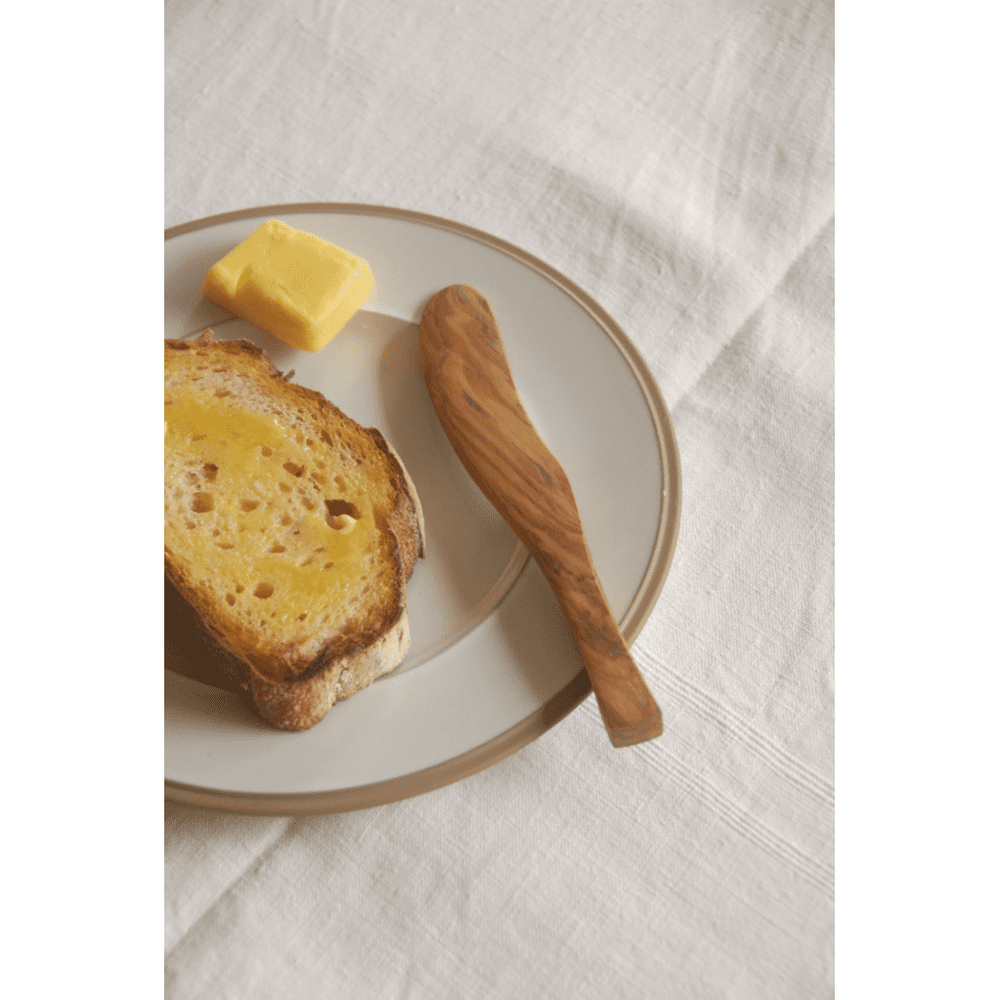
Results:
<point x="576" y="691"/>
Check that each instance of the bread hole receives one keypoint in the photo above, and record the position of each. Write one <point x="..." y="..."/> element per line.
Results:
<point x="325" y="438"/>
<point x="276" y="548"/>
<point x="309" y="442"/>
<point x="249" y="505"/>
<point x="240" y="588"/>
<point x="224" y="545"/>
<point x="210" y="471"/>
<point x="336" y="507"/>
<point x="263" y="590"/>
<point x="285" y="520"/>
<point x="284" y="487"/>
<point x="341" y="482"/>
<point x="328" y="565"/>
<point x="222" y="393"/>
<point x="308" y="504"/>
<point x="230" y="599"/>
<point x="293" y="468"/>
<point x="189" y="524"/>
<point x="317" y="478"/>
<point x="302" y="617"/>
<point x="265" y="451"/>
<point x="202" y="503"/>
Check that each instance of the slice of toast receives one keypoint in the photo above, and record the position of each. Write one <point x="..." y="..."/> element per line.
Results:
<point x="290" y="529"/>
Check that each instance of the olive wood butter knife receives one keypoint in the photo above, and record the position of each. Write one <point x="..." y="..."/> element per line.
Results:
<point x="465" y="367"/>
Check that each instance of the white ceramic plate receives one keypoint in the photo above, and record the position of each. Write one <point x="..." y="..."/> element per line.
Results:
<point x="492" y="665"/>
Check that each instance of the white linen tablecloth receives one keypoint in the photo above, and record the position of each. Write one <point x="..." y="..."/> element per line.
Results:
<point x="675" y="159"/>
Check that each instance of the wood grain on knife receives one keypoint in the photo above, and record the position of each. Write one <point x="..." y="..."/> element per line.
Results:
<point x="469" y="381"/>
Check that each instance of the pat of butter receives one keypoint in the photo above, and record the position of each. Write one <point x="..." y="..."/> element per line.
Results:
<point x="295" y="285"/>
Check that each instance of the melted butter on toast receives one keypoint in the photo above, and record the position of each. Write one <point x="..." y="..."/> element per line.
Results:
<point x="254" y="530"/>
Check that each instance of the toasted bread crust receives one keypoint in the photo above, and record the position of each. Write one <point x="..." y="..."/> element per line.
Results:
<point x="291" y="688"/>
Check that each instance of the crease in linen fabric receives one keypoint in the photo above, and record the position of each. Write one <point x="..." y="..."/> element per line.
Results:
<point x="198" y="872"/>
<point x="675" y="160"/>
<point x="755" y="303"/>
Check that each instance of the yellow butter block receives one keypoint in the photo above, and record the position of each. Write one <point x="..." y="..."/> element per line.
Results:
<point x="295" y="285"/>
